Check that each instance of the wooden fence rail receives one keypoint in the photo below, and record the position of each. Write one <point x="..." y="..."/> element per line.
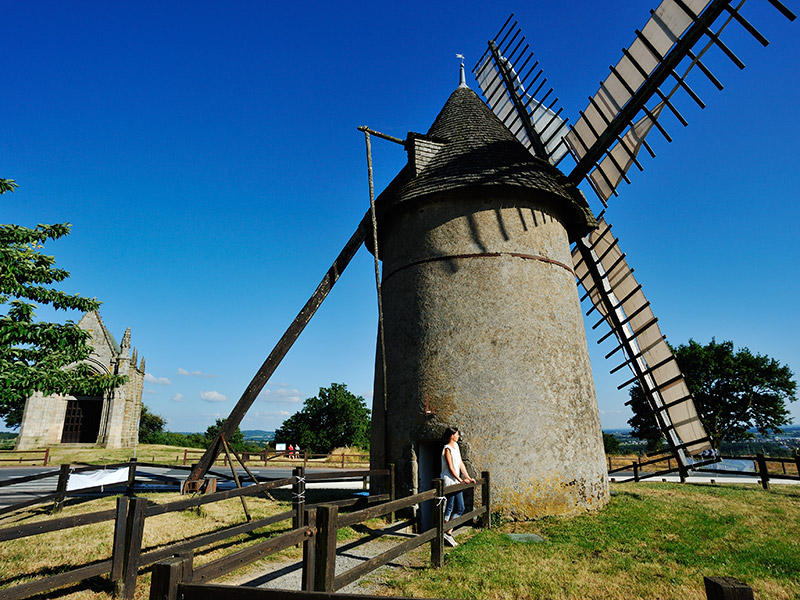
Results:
<point x="130" y="516"/>
<point x="761" y="468"/>
<point x="41" y="456"/>
<point x="318" y="534"/>
<point x="267" y="456"/>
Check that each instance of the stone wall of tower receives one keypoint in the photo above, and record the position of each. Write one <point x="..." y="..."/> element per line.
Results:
<point x="482" y="319"/>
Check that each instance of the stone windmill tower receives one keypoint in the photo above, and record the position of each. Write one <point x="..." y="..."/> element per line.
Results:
<point x="483" y="235"/>
<point x="482" y="319"/>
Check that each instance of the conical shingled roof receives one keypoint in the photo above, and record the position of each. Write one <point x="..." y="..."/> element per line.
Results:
<point x="477" y="150"/>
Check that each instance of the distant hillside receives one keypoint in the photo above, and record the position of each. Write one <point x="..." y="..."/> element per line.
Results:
<point x="258" y="435"/>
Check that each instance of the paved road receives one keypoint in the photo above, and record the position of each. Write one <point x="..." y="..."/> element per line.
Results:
<point x="147" y="479"/>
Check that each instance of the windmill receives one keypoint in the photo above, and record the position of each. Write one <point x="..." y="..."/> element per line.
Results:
<point x="604" y="143"/>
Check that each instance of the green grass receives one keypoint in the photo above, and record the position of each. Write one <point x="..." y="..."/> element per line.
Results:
<point x="652" y="541"/>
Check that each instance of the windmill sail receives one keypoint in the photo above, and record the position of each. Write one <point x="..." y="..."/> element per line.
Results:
<point x="605" y="142"/>
<point x="611" y="170"/>
<point x="602" y="269"/>
<point x="548" y="126"/>
<point x="673" y="34"/>
<point x="524" y="107"/>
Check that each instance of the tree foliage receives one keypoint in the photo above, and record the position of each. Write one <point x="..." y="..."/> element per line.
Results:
<point x="334" y="418"/>
<point x="39" y="356"/>
<point x="151" y="426"/>
<point x="610" y="443"/>
<point x="734" y="391"/>
<point x="236" y="440"/>
<point x="643" y="422"/>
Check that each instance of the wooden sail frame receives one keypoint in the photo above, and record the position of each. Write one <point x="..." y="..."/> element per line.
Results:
<point x="605" y="142"/>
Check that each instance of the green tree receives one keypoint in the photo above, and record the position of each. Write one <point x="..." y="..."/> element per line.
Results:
<point x="151" y="427"/>
<point x="39" y="356"/>
<point x="734" y="391"/>
<point x="610" y="443"/>
<point x="643" y="422"/>
<point x="334" y="418"/>
<point x="236" y="440"/>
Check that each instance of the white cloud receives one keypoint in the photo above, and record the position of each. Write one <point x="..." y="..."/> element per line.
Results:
<point x="269" y="413"/>
<point x="158" y="380"/>
<point x="282" y="394"/>
<point x="149" y="391"/>
<point x="213" y="396"/>
<point x="177" y="397"/>
<point x="186" y="373"/>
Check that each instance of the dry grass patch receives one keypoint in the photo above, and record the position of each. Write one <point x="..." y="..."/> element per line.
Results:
<point x="38" y="556"/>
<point x="168" y="455"/>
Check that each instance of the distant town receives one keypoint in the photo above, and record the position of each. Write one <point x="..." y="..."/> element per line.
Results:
<point x="778" y="444"/>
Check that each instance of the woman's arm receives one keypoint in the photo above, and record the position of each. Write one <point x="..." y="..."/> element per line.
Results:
<point x="466" y="477"/>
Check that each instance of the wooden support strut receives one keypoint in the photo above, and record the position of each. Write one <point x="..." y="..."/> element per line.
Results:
<point x="282" y="347"/>
<point x="226" y="448"/>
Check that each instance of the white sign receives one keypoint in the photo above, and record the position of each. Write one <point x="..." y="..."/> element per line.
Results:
<point x="79" y="481"/>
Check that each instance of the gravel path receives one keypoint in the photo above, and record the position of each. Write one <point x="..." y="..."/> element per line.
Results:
<point x="286" y="574"/>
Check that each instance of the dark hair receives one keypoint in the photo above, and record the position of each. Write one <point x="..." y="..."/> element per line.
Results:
<point x="448" y="433"/>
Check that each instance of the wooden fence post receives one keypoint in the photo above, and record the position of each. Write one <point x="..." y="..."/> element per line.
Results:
<point x="797" y="462"/>
<point x="390" y="489"/>
<point x="167" y="574"/>
<point x="635" y="471"/>
<point x="132" y="548"/>
<point x="309" y="550"/>
<point x="61" y="488"/>
<point x="46" y="456"/>
<point x="486" y="517"/>
<point x="131" y="478"/>
<point x="727" y="588"/>
<point x="118" y="545"/>
<point x="325" y="550"/>
<point x="683" y="472"/>
<point x="298" y="496"/>
<point x="762" y="471"/>
<point x="437" y="519"/>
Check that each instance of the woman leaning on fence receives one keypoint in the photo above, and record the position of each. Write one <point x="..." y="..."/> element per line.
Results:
<point x="453" y="472"/>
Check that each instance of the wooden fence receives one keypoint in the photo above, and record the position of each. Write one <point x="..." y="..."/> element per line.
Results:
<point x="318" y="534"/>
<point x="130" y="515"/>
<point x="25" y="456"/>
<point x="765" y="468"/>
<point x="292" y="458"/>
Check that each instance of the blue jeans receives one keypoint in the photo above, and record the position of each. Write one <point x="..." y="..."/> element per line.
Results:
<point x="454" y="507"/>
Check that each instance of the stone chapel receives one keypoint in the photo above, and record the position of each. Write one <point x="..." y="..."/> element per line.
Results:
<point x="110" y="420"/>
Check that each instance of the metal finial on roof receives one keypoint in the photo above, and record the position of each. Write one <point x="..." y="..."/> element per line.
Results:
<point x="462" y="83"/>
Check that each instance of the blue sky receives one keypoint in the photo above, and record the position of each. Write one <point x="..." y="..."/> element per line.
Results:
<point x="207" y="157"/>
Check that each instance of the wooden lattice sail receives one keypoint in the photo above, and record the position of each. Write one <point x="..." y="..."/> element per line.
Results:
<point x="605" y="143"/>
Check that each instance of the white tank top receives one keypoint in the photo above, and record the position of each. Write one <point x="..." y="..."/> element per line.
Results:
<point x="455" y="453"/>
